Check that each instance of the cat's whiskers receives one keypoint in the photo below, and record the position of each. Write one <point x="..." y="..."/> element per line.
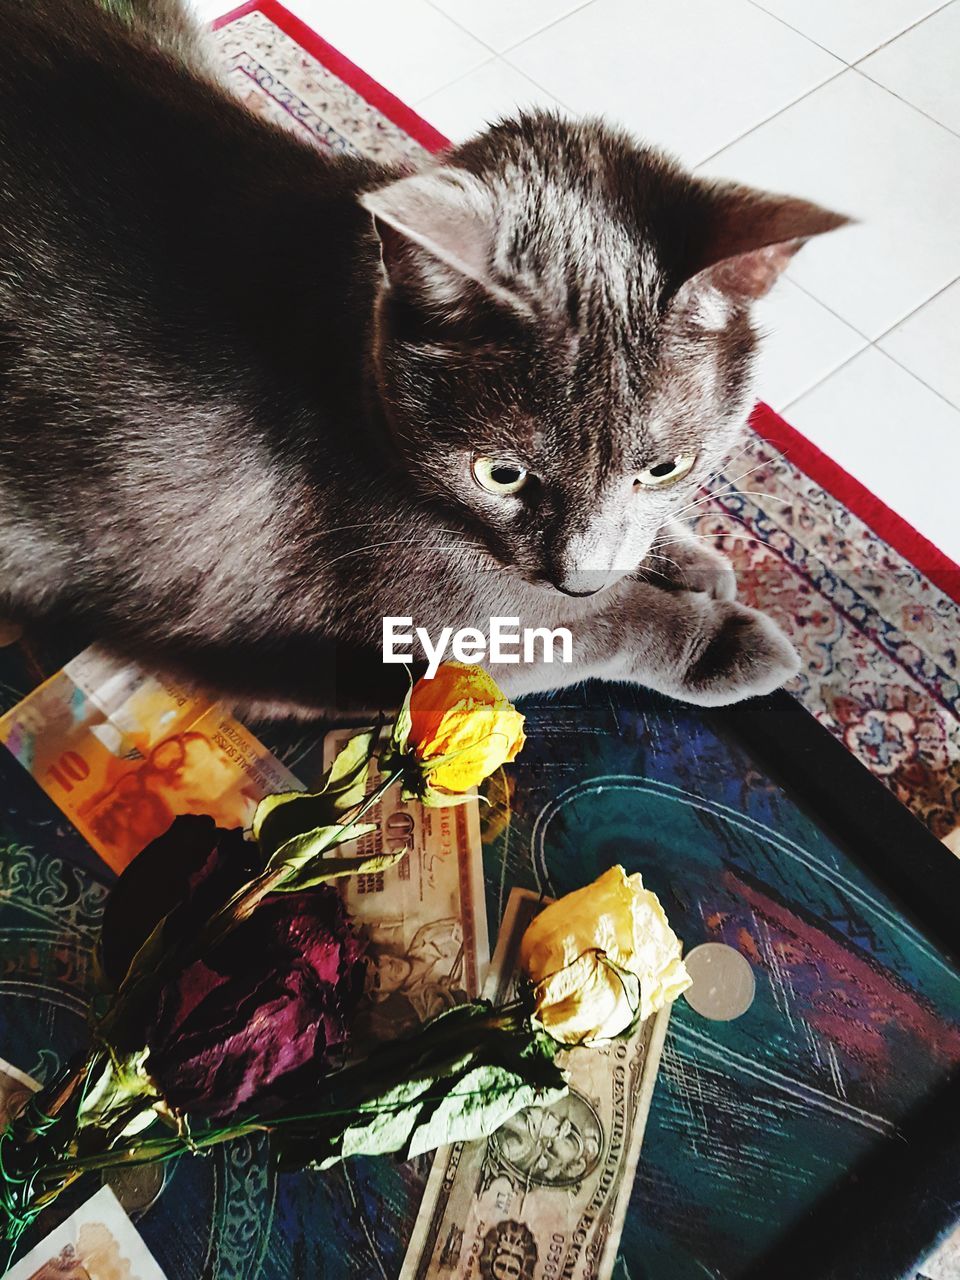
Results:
<point x="730" y="484"/>
<point x="658" y="556"/>
<point x="712" y="537"/>
<point x="466" y="544"/>
<point x="746" y="493"/>
<point x="727" y="462"/>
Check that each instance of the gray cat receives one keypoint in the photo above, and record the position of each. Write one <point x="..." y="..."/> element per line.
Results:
<point x="255" y="397"/>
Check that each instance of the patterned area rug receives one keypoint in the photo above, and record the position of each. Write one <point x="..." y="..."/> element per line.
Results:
<point x="871" y="606"/>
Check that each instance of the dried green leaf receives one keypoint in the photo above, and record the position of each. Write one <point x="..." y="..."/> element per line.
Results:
<point x="457" y="1079"/>
<point x="320" y="870"/>
<point x="309" y="845"/>
<point x="482" y="1100"/>
<point x="287" y="814"/>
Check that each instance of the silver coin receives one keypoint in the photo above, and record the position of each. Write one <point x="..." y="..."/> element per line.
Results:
<point x="136" y="1188"/>
<point x="723" y="982"/>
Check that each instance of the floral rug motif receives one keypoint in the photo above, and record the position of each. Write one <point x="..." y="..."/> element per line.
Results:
<point x="880" y="641"/>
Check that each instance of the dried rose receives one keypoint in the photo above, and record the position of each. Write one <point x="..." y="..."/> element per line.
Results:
<point x="191" y="870"/>
<point x="461" y="727"/>
<point x="601" y="958"/>
<point x="258" y="1014"/>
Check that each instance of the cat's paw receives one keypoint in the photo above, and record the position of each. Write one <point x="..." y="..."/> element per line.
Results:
<point x="703" y="569"/>
<point x="742" y="654"/>
<point x="694" y="566"/>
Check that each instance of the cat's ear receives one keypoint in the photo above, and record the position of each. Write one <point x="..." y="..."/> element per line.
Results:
<point x="437" y="234"/>
<point x="749" y="238"/>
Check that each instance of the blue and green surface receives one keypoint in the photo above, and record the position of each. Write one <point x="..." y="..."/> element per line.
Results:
<point x="856" y="1015"/>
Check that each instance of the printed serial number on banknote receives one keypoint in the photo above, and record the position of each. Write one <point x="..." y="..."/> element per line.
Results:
<point x="545" y="1196"/>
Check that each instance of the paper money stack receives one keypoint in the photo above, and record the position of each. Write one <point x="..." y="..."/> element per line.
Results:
<point x="123" y="751"/>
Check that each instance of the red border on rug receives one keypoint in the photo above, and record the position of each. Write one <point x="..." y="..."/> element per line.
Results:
<point x="384" y="101"/>
<point x="875" y="514"/>
<point x="933" y="563"/>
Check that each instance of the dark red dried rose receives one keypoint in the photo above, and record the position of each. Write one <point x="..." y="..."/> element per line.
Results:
<point x="274" y="997"/>
<point x="191" y="870"/>
<point x="263" y="1009"/>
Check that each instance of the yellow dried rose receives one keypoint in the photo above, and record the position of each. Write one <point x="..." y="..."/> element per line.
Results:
<point x="601" y="958"/>
<point x="461" y="727"/>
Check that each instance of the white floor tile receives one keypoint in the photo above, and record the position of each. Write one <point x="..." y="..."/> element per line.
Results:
<point x="493" y="90"/>
<point x="928" y="343"/>
<point x="407" y="45"/>
<point x="857" y="148"/>
<point x="802" y="343"/>
<point x="207" y="10"/>
<point x="502" y="23"/>
<point x="923" y="66"/>
<point x="850" y="28"/>
<point x="895" y="435"/>
<point x="690" y="75"/>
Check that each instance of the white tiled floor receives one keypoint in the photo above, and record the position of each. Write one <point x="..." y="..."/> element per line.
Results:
<point x="855" y="103"/>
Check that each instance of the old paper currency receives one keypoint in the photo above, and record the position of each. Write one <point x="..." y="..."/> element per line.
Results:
<point x="426" y="917"/>
<point x="16" y="1088"/>
<point x="544" y="1198"/>
<point x="97" y="1242"/>
<point x="123" y="752"/>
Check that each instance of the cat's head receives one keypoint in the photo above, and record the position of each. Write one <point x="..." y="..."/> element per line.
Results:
<point x="564" y="341"/>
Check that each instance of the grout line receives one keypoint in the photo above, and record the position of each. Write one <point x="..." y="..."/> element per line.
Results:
<point x="904" y="318"/>
<point x="437" y="9"/>
<point x="906" y="101"/>
<point x="553" y="23"/>
<point x="826" y="378"/>
<point x="416" y="102"/>
<point x="916" y="377"/>
<point x="850" y="359"/>
<point x="500" y="52"/>
<point x="889" y="40"/>
<point x="425" y="100"/>
<point x="578" y="115"/>
<point x="773" y="115"/>
<point x="803" y="34"/>
<point x="827" y="307"/>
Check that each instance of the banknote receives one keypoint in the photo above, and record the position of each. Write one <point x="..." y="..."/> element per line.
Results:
<point x="545" y="1196"/>
<point x="15" y="1090"/>
<point x="97" y="1242"/>
<point x="426" y="917"/>
<point x="123" y="751"/>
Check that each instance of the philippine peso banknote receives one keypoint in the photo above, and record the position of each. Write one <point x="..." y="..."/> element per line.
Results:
<point x="425" y="918"/>
<point x="545" y="1196"/>
<point x="123" y="751"/>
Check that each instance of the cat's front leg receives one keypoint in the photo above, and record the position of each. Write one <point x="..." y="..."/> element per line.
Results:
<point x="702" y="650"/>
<point x="680" y="559"/>
<point x="682" y="643"/>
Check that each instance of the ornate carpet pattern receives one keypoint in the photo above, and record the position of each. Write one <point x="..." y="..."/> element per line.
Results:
<point x="880" y="641"/>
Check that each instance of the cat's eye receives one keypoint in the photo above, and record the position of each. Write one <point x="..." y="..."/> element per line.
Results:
<point x="496" y="475"/>
<point x="666" y="473"/>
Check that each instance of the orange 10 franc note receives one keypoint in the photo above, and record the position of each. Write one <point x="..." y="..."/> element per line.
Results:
<point x="123" y="751"/>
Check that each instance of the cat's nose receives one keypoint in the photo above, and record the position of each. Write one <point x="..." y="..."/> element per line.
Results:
<point x="583" y="582"/>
